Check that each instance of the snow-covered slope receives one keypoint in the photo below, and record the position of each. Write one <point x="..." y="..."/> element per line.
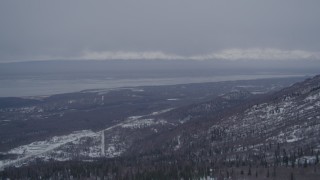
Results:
<point x="233" y="123"/>
<point x="85" y="144"/>
<point x="274" y="126"/>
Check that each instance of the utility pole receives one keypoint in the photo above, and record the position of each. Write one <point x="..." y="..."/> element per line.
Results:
<point x="102" y="144"/>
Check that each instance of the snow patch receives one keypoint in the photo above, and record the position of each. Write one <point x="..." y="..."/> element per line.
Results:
<point x="309" y="108"/>
<point x="173" y="99"/>
<point x="142" y="123"/>
<point x="313" y="97"/>
<point x="161" y="112"/>
<point x="178" y="146"/>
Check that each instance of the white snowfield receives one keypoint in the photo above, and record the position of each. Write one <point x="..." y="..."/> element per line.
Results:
<point x="62" y="148"/>
<point x="29" y="151"/>
<point x="141" y="123"/>
<point x="136" y="122"/>
<point x="52" y="143"/>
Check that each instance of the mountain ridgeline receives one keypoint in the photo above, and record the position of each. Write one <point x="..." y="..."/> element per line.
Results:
<point x="239" y="133"/>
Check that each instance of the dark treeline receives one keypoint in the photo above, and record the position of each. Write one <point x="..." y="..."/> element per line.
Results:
<point x="156" y="165"/>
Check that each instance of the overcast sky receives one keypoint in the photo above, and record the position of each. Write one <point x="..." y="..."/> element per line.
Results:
<point x="163" y="29"/>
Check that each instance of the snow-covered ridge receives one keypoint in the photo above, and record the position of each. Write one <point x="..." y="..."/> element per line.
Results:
<point x="84" y="143"/>
<point x="135" y="122"/>
<point x="291" y="119"/>
<point x="38" y="148"/>
<point x="56" y="141"/>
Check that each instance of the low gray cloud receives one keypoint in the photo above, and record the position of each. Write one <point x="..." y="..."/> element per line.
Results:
<point x="228" y="54"/>
<point x="260" y="54"/>
<point x="166" y="29"/>
<point x="128" y="55"/>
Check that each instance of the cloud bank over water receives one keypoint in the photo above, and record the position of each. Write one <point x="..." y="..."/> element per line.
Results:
<point x="227" y="54"/>
<point x="235" y="54"/>
<point x="128" y="55"/>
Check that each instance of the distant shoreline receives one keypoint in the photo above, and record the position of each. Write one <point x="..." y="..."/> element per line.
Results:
<point x="44" y="88"/>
